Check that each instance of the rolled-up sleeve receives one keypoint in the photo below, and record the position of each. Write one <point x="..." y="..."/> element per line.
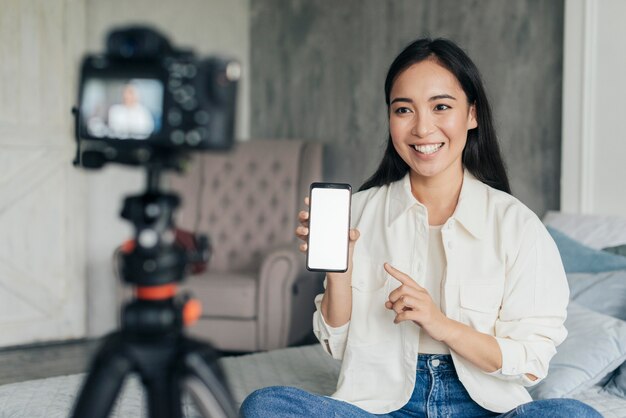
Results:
<point x="333" y="339"/>
<point x="531" y="321"/>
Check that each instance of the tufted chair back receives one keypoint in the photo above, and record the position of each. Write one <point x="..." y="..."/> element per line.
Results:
<point x="247" y="199"/>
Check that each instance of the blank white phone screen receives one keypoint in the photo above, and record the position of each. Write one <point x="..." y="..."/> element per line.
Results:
<point x="329" y="224"/>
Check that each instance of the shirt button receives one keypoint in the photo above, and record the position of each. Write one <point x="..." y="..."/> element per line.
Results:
<point x="436" y="362"/>
<point x="450" y="245"/>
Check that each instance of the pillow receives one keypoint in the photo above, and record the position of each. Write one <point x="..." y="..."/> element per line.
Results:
<point x="594" y="347"/>
<point x="619" y="250"/>
<point x="595" y="231"/>
<point x="579" y="258"/>
<point x="601" y="292"/>
<point x="617" y="384"/>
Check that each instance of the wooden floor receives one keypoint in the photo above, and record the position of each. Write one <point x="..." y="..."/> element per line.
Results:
<point x="18" y="364"/>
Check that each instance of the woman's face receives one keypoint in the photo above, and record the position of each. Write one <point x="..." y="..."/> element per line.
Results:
<point x="429" y="118"/>
<point x="130" y="96"/>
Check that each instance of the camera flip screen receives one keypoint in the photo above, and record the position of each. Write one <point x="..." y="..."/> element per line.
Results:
<point x="130" y="108"/>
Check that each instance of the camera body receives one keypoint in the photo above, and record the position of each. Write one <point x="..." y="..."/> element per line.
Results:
<point x="144" y="101"/>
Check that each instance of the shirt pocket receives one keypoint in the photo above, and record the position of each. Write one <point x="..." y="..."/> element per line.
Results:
<point x="371" y="321"/>
<point x="480" y="303"/>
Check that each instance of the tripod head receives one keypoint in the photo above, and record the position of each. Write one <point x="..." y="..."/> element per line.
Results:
<point x="154" y="259"/>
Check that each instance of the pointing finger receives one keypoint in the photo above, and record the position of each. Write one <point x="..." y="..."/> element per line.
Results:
<point x="400" y="276"/>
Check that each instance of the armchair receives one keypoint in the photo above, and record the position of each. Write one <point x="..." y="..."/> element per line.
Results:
<point x="256" y="294"/>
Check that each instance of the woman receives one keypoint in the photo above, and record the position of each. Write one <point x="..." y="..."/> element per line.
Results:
<point x="456" y="296"/>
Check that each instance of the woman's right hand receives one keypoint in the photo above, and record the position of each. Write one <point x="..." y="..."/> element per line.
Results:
<point x="302" y="232"/>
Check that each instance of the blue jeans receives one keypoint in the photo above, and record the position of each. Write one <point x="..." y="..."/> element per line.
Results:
<point x="438" y="393"/>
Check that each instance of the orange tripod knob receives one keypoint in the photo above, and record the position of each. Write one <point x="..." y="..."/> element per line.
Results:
<point x="192" y="311"/>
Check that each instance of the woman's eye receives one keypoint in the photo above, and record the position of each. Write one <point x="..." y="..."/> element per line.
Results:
<point x="402" y="110"/>
<point x="442" y="107"/>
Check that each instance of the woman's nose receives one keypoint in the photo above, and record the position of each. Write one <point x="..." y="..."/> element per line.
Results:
<point x="423" y="126"/>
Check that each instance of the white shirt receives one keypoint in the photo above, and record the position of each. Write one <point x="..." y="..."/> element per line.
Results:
<point x="504" y="278"/>
<point x="433" y="281"/>
<point x="130" y="121"/>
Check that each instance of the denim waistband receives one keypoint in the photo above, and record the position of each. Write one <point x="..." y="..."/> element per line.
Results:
<point x="435" y="362"/>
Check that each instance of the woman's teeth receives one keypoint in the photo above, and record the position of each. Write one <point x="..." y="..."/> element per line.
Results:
<point x="427" y="149"/>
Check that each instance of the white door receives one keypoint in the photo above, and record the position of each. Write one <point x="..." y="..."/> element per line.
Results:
<point x="42" y="197"/>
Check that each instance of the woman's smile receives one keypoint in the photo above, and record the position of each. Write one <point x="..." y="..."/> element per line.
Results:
<point x="428" y="149"/>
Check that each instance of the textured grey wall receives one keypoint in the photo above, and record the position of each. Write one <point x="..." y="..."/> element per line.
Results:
<point x="318" y="68"/>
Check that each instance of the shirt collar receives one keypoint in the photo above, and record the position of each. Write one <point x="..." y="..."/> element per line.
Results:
<point x="470" y="212"/>
<point x="401" y="198"/>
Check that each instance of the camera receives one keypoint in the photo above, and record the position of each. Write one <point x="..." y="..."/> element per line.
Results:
<point x="144" y="102"/>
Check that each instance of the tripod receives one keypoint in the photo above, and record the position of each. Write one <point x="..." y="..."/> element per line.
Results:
<point x="151" y="341"/>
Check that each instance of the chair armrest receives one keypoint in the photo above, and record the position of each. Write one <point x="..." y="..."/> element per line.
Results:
<point x="284" y="281"/>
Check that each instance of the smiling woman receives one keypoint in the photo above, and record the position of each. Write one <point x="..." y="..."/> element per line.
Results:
<point x="455" y="297"/>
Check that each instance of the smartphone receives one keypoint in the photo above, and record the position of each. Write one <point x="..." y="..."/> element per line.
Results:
<point x="329" y="227"/>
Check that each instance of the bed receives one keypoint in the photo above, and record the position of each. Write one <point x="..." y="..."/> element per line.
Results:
<point x="590" y="365"/>
<point x="307" y="367"/>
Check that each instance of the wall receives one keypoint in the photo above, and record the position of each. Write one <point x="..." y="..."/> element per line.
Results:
<point x="213" y="27"/>
<point x="318" y="70"/>
<point x="42" y="206"/>
<point x="594" y="143"/>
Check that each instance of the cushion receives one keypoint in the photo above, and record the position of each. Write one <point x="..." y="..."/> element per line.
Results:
<point x="580" y="258"/>
<point x="595" y="231"/>
<point x="617" y="384"/>
<point x="594" y="347"/>
<point x="601" y="292"/>
<point x="619" y="250"/>
<point x="226" y="295"/>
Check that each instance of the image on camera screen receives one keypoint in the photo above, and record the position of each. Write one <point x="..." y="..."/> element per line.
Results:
<point x="122" y="108"/>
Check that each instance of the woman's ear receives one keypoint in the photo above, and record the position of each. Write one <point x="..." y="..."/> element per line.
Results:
<point x="472" y="121"/>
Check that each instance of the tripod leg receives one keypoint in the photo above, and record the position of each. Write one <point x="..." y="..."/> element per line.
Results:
<point x="210" y="396"/>
<point x="104" y="381"/>
<point x="164" y="395"/>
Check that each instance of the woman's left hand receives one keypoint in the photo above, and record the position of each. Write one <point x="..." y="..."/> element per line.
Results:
<point x="411" y="302"/>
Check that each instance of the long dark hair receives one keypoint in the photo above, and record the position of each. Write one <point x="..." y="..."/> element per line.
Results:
<point x="481" y="155"/>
